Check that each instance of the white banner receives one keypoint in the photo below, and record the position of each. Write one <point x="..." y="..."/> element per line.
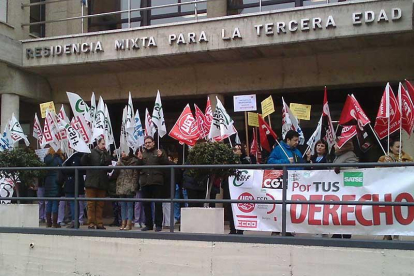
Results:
<point x="6" y="189"/>
<point x="377" y="184"/>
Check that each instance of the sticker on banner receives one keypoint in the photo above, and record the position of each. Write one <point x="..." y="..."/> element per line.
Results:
<point x="272" y="179"/>
<point x="243" y="179"/>
<point x="246" y="207"/>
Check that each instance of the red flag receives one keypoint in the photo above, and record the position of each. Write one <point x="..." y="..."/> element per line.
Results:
<point x="264" y="130"/>
<point x="388" y="113"/>
<point x="407" y="109"/>
<point x="254" y="148"/>
<point x="347" y="133"/>
<point x="410" y="89"/>
<point x="209" y="114"/>
<point x="330" y="135"/>
<point x="185" y="129"/>
<point x="202" y="125"/>
<point x="353" y="111"/>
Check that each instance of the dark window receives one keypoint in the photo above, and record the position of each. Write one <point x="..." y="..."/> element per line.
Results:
<point x="37" y="14"/>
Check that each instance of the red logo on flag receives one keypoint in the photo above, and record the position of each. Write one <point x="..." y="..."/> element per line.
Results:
<point x="246" y="207"/>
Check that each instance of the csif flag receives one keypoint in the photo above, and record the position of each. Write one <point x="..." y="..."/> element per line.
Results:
<point x="99" y="123"/>
<point x="222" y="125"/>
<point x="389" y="115"/>
<point x="92" y="110"/>
<point x="185" y="129"/>
<point x="6" y="142"/>
<point x="138" y="135"/>
<point x="264" y="131"/>
<point x="123" y="139"/>
<point x="407" y="109"/>
<point x="79" y="107"/>
<point x="158" y="116"/>
<point x="109" y="134"/>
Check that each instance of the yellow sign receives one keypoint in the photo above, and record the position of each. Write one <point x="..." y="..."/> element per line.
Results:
<point x="252" y="119"/>
<point x="45" y="106"/>
<point x="268" y="106"/>
<point x="301" y="111"/>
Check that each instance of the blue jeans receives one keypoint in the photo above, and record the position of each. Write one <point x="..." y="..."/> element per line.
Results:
<point x="52" y="206"/>
<point x="177" y="213"/>
<point x="127" y="210"/>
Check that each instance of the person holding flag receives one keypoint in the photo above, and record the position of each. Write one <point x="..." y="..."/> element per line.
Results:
<point x="320" y="154"/>
<point x="286" y="152"/>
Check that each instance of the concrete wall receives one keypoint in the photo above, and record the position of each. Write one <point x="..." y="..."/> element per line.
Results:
<point x="342" y="14"/>
<point x="60" y="10"/>
<point x="19" y="215"/>
<point x="22" y="254"/>
<point x="16" y="81"/>
<point x="16" y="16"/>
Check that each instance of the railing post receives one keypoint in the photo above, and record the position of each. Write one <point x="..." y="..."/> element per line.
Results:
<point x="285" y="178"/>
<point x="76" y="214"/>
<point x="172" y="190"/>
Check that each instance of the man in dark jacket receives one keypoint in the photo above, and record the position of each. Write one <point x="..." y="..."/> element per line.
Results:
<point x="96" y="183"/>
<point x="151" y="181"/>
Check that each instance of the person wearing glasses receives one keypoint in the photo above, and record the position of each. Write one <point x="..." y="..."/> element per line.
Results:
<point x="151" y="181"/>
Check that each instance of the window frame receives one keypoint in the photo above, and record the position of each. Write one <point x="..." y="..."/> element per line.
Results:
<point x="7" y="13"/>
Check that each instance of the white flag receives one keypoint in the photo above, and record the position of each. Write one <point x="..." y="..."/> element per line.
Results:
<point x="222" y="125"/>
<point x="75" y="139"/>
<point x="50" y="132"/>
<point x="92" y="110"/>
<point x="149" y="125"/>
<point x="79" y="107"/>
<point x="137" y="138"/>
<point x="6" y="142"/>
<point x="99" y="124"/>
<point x="316" y="136"/>
<point x="16" y="131"/>
<point x="130" y="122"/>
<point x="109" y="135"/>
<point x="123" y="143"/>
<point x="158" y="116"/>
<point x="290" y="122"/>
<point x="37" y="129"/>
<point x="79" y="123"/>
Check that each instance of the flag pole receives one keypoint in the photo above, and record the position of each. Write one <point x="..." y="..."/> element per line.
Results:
<point x="247" y="133"/>
<point x="400" y="106"/>
<point x="282" y="148"/>
<point x="388" y="149"/>
<point x="379" y="142"/>
<point x="158" y="135"/>
<point x="184" y="153"/>
<point x="270" y="122"/>
<point x="231" y="145"/>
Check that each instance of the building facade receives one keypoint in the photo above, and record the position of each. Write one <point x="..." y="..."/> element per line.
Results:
<point x="192" y="49"/>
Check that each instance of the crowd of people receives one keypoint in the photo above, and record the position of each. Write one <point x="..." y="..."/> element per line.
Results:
<point x="155" y="183"/>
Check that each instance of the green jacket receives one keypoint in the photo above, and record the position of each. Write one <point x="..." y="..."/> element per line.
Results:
<point x="97" y="179"/>
<point x="152" y="176"/>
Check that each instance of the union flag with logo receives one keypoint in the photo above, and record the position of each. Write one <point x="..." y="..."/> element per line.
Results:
<point x="185" y="129"/>
<point x="389" y="115"/>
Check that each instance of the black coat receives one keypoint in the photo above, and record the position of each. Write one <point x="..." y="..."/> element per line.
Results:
<point x="97" y="179"/>
<point x="74" y="160"/>
<point x="52" y="186"/>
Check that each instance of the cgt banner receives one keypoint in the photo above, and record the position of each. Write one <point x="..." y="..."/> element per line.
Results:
<point x="372" y="185"/>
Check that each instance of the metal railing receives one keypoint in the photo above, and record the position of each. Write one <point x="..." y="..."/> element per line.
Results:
<point x="284" y="202"/>
<point x="129" y="10"/>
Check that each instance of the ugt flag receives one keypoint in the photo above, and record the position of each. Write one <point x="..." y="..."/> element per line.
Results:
<point x="185" y="129"/>
<point x="407" y="109"/>
<point x="388" y="116"/>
